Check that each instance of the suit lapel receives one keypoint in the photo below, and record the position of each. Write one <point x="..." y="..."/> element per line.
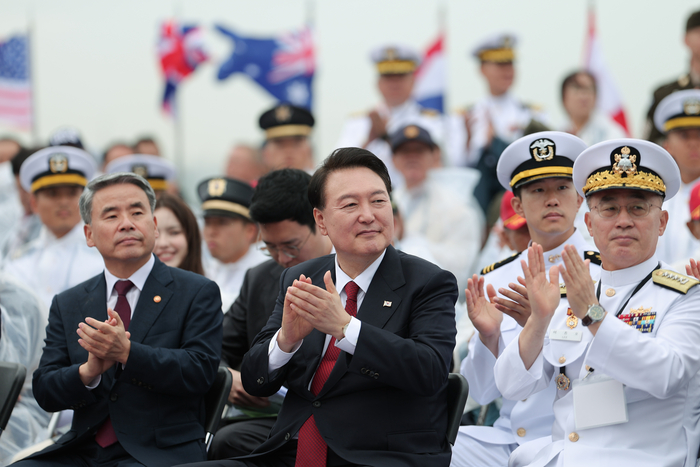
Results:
<point x="150" y="306"/>
<point x="373" y="310"/>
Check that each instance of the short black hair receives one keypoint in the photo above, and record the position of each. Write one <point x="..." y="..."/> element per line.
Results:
<point x="282" y="195"/>
<point x="345" y="158"/>
<point x="21" y="156"/>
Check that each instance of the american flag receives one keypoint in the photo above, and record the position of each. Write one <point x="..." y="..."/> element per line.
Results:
<point x="15" y="86"/>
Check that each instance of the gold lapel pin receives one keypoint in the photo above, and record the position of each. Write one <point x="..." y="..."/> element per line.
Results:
<point x="157" y="299"/>
<point x="387" y="303"/>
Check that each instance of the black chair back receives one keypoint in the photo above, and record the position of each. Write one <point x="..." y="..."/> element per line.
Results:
<point x="215" y="401"/>
<point x="457" y="393"/>
<point x="12" y="377"/>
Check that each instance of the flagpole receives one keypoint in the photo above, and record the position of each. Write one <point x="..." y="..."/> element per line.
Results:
<point x="30" y="72"/>
<point x="178" y="128"/>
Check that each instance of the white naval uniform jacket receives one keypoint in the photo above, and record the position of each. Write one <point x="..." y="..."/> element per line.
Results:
<point x="229" y="276"/>
<point x="658" y="368"/>
<point x="50" y="265"/>
<point x="526" y="418"/>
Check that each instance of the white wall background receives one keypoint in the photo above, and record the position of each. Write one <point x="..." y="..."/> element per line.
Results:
<point x="95" y="64"/>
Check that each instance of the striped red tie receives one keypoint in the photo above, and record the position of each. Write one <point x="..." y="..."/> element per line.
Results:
<point x="312" y="449"/>
<point x="106" y="436"/>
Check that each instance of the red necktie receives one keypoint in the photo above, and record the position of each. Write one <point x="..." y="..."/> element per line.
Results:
<point x="106" y="436"/>
<point x="311" y="448"/>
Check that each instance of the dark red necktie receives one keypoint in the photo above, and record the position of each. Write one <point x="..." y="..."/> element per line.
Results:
<point x="106" y="436"/>
<point x="311" y="448"/>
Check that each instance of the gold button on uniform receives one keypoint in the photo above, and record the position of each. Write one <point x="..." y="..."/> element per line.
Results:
<point x="562" y="359"/>
<point x="610" y="292"/>
<point x="521" y="432"/>
<point x="573" y="436"/>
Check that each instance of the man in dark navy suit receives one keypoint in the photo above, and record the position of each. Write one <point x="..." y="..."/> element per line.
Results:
<point x="363" y="339"/>
<point x="147" y="347"/>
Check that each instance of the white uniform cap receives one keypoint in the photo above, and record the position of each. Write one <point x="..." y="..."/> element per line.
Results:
<point x="497" y="48"/>
<point x="680" y="109"/>
<point x="158" y="171"/>
<point x="546" y="154"/>
<point x="57" y="165"/>
<point x="395" y="59"/>
<point x="629" y="164"/>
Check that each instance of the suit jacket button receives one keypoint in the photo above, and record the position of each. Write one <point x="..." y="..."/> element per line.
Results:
<point x="261" y="380"/>
<point x="316" y="404"/>
<point x="371" y="373"/>
<point x="363" y="371"/>
<point x="113" y="397"/>
<point x="376" y="376"/>
<point x="287" y="436"/>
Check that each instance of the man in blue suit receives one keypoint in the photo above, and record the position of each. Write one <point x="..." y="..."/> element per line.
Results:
<point x="363" y="339"/>
<point x="147" y="347"/>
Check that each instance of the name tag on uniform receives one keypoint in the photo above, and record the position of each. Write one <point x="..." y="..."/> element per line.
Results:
<point x="565" y="335"/>
<point x="599" y="401"/>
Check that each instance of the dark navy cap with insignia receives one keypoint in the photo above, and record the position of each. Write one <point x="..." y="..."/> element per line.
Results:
<point x="225" y="197"/>
<point x="627" y="164"/>
<point x="57" y="165"/>
<point x="411" y="133"/>
<point x="158" y="171"/>
<point x="286" y="120"/>
<point x="395" y="59"/>
<point x="546" y="154"/>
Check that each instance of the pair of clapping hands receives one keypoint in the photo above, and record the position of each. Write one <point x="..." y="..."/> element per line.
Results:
<point x="106" y="342"/>
<point x="534" y="295"/>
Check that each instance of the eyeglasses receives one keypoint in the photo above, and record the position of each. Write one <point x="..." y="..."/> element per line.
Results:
<point x="290" y="251"/>
<point x="635" y="210"/>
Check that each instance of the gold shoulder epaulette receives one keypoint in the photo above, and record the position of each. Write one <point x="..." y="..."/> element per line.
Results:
<point x="429" y="112"/>
<point x="684" y="80"/>
<point x="673" y="280"/>
<point x="498" y="264"/>
<point x="593" y="256"/>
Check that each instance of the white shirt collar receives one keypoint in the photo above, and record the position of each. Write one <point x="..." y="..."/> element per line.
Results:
<point x="628" y="276"/>
<point x="138" y="278"/>
<point x="362" y="280"/>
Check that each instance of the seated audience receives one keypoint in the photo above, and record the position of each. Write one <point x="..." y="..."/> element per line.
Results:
<point x="287" y="138"/>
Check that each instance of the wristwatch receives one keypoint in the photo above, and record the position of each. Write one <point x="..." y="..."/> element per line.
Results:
<point x="595" y="313"/>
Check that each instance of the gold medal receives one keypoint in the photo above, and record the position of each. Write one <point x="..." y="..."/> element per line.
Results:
<point x="571" y="320"/>
<point x="562" y="382"/>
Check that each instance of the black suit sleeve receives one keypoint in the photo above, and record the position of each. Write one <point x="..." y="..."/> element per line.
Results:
<point x="235" y="342"/>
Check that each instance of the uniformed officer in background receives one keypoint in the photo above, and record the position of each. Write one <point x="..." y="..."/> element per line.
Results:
<point x="287" y="138"/>
<point x="630" y="367"/>
<point x="159" y="172"/>
<point x="537" y="168"/>
<point x="396" y="65"/>
<point x="689" y="80"/>
<point x="229" y="234"/>
<point x="59" y="257"/>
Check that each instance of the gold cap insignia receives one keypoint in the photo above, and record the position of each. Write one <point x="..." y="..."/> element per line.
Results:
<point x="542" y="149"/>
<point x="140" y="169"/>
<point x="58" y="163"/>
<point x="691" y="107"/>
<point x="625" y="162"/>
<point x="506" y="42"/>
<point x="217" y="187"/>
<point x="411" y="132"/>
<point x="391" y="54"/>
<point x="283" y="113"/>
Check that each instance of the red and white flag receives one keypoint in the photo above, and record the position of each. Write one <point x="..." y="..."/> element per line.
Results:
<point x="431" y="77"/>
<point x="609" y="99"/>
<point x="15" y="84"/>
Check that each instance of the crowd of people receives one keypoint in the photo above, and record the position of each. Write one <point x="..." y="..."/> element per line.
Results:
<point x="553" y="266"/>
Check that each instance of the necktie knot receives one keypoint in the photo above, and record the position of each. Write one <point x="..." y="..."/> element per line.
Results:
<point x="122" y="287"/>
<point x="351" y="290"/>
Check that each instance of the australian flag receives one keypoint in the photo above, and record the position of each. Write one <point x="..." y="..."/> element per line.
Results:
<point x="284" y="66"/>
<point x="181" y="50"/>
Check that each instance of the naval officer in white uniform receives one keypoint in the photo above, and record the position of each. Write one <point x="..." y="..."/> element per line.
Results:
<point x="59" y="257"/>
<point x="629" y="370"/>
<point x="537" y="168"/>
<point x="678" y="117"/>
<point x="396" y="65"/>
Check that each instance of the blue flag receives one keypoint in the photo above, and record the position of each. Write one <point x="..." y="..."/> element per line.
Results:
<point x="284" y="66"/>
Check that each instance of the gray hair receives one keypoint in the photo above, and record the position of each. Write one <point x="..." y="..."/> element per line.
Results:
<point x="106" y="180"/>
